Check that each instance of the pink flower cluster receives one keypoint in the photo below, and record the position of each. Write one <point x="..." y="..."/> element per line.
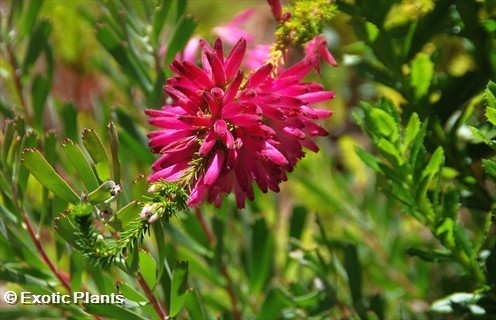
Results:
<point x="224" y="131"/>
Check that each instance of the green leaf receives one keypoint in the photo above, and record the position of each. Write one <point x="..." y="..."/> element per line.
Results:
<point x="66" y="230"/>
<point x="431" y="255"/>
<point x="114" y="148"/>
<point x="450" y="204"/>
<point x="111" y="311"/>
<point x="148" y="268"/>
<point x="125" y="215"/>
<point x="412" y="129"/>
<point x="491" y="115"/>
<point x="262" y="255"/>
<point x="390" y="152"/>
<point x="76" y="269"/>
<point x="130" y="293"/>
<point x="422" y="73"/>
<point x="139" y="188"/>
<point x="274" y="302"/>
<point x="298" y="220"/>
<point x="8" y="137"/>
<point x="368" y="159"/>
<point x="180" y="35"/>
<point x="382" y="124"/>
<point x="22" y="277"/>
<point x="194" y="306"/>
<point x="39" y="90"/>
<point x="354" y="272"/>
<point x="479" y="134"/>
<point x="179" y="287"/>
<point x="94" y="145"/>
<point x="46" y="175"/>
<point x="462" y="240"/>
<point x="435" y="163"/>
<point x="68" y="115"/>
<point x="102" y="193"/>
<point x="159" y="16"/>
<point x="81" y="164"/>
<point x="490" y="97"/>
<point x="29" y="18"/>
<point x="445" y="232"/>
<point x="37" y="42"/>
<point x="490" y="167"/>
<point x="308" y="300"/>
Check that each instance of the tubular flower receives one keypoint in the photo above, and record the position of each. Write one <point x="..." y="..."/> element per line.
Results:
<point x="318" y="45"/>
<point x="223" y="132"/>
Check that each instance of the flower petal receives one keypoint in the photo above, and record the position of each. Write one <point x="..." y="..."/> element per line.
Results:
<point x="214" y="168"/>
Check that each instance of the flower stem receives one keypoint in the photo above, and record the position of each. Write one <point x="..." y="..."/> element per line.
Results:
<point x="163" y="314"/>
<point x="230" y="288"/>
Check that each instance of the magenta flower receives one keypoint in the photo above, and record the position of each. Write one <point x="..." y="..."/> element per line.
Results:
<point x="223" y="132"/>
<point x="276" y="8"/>
<point x="318" y="45"/>
<point x="233" y="31"/>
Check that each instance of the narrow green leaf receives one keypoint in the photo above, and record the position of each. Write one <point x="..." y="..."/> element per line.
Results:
<point x="479" y="134"/>
<point x="8" y="136"/>
<point x="46" y="175"/>
<point x="490" y="97"/>
<point x="462" y="240"/>
<point x="354" y="272"/>
<point x="114" y="148"/>
<point x="274" y="302"/>
<point x="76" y="268"/>
<point x="148" y="268"/>
<point x="382" y="124"/>
<point x="179" y="287"/>
<point x="298" y="220"/>
<point x="412" y="129"/>
<point x="180" y="35"/>
<point x="94" y="145"/>
<point x="432" y="255"/>
<point x="140" y="188"/>
<point x="102" y="193"/>
<point x="159" y="17"/>
<point x="194" y="306"/>
<point x="29" y="18"/>
<point x="111" y="311"/>
<point x="445" y="232"/>
<point x="20" y="277"/>
<point x="80" y="163"/>
<point x="132" y="261"/>
<point x="435" y="163"/>
<point x="308" y="300"/>
<point x="37" y="42"/>
<point x="158" y="230"/>
<point x="368" y="159"/>
<point x="490" y="167"/>
<point x="450" y="203"/>
<point x="130" y="293"/>
<point x="125" y="215"/>
<point x="66" y="230"/>
<point x="390" y="152"/>
<point x="262" y="254"/>
<point x="422" y="73"/>
<point x="491" y="115"/>
<point x="39" y="91"/>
